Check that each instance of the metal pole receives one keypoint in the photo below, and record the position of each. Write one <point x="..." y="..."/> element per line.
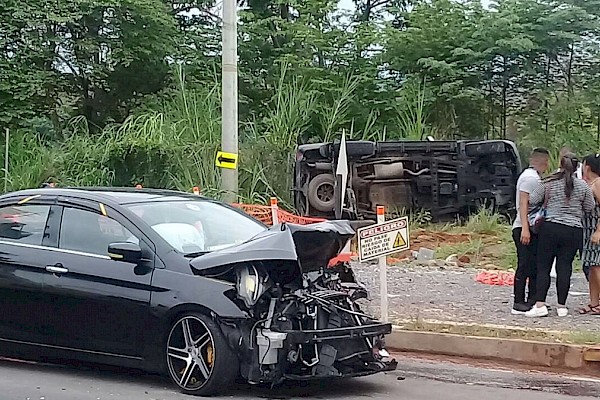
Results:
<point x="383" y="272"/>
<point x="6" y="160"/>
<point x="229" y="102"/>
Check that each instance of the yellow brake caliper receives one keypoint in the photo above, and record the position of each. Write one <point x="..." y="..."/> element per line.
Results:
<point x="209" y="355"/>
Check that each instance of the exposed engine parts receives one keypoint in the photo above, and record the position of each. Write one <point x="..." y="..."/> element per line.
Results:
<point x="325" y="302"/>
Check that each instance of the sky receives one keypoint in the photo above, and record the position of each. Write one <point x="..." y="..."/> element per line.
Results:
<point x="349" y="4"/>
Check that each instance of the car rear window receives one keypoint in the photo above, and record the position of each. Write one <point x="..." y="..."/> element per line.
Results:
<point x="23" y="223"/>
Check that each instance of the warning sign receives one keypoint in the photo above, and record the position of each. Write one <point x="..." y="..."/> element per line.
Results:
<point x="399" y="242"/>
<point x="381" y="239"/>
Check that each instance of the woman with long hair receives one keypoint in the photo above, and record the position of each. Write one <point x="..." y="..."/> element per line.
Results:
<point x="590" y="255"/>
<point x="566" y="199"/>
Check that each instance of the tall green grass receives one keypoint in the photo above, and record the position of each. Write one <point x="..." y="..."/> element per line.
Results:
<point x="412" y="112"/>
<point x="173" y="141"/>
<point x="173" y="146"/>
<point x="485" y="222"/>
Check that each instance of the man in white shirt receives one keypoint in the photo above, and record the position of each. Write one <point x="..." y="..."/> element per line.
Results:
<point x="525" y="241"/>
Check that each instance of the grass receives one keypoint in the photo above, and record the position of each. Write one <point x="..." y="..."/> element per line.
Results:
<point x="485" y="239"/>
<point x="490" y="242"/>
<point x="484" y="222"/>
<point x="416" y="218"/>
<point x="472" y="249"/>
<point x="172" y="141"/>
<point x="172" y="146"/>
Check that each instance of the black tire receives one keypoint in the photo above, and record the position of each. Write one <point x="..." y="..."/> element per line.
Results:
<point x="195" y="369"/>
<point x="321" y="192"/>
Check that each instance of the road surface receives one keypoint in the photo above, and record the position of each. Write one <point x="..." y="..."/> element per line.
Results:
<point x="415" y="380"/>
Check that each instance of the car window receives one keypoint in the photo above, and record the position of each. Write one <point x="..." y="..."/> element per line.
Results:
<point x="192" y="226"/>
<point x="23" y="223"/>
<point x="89" y="232"/>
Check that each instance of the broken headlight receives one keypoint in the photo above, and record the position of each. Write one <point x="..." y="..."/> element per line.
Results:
<point x="251" y="284"/>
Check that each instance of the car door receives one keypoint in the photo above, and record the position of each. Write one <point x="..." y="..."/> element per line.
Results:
<point x="96" y="303"/>
<point x="22" y="269"/>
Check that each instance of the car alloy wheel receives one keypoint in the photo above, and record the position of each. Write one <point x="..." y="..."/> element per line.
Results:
<point x="190" y="353"/>
<point x="199" y="360"/>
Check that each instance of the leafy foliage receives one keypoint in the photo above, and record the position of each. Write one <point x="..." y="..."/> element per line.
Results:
<point x="127" y="91"/>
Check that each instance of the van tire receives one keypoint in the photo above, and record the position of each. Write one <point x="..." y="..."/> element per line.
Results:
<point x="321" y="192"/>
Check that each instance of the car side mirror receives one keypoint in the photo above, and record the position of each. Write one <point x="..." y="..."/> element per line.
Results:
<point x="125" y="251"/>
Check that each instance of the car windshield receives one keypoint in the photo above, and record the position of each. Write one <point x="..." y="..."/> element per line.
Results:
<point x="197" y="226"/>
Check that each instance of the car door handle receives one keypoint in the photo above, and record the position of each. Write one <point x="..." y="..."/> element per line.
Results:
<point x="57" y="269"/>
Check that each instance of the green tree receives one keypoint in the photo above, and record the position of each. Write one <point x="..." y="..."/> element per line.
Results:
<point x="81" y="57"/>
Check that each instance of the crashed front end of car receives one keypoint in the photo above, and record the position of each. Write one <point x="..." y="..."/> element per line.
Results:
<point x="304" y="321"/>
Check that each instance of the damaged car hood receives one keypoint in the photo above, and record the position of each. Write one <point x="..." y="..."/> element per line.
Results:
<point x="312" y="246"/>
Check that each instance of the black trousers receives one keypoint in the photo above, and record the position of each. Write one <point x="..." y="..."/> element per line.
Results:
<point x="562" y="242"/>
<point x="526" y="267"/>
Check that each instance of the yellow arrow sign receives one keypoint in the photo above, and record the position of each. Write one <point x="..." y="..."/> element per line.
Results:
<point x="226" y="160"/>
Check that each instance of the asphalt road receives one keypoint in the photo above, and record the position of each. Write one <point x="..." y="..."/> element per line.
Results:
<point x="415" y="380"/>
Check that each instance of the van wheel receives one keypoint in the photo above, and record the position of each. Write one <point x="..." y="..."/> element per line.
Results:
<point x="321" y="192"/>
<point x="199" y="361"/>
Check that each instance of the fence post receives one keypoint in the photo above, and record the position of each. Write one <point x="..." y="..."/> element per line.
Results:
<point x="383" y="272"/>
<point x="274" y="210"/>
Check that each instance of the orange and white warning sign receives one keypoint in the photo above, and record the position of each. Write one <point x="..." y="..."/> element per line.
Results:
<point x="382" y="239"/>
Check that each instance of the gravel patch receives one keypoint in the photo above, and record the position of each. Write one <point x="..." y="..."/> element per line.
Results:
<point x="452" y="294"/>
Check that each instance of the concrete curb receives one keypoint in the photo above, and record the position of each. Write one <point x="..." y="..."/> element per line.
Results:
<point x="499" y="331"/>
<point x="524" y="352"/>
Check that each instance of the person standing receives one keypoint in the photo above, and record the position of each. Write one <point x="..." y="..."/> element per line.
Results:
<point x="525" y="241"/>
<point x="561" y="235"/>
<point x="590" y="255"/>
<point x="579" y="174"/>
<point x="567" y="150"/>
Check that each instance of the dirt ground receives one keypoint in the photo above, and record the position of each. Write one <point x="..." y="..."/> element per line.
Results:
<point x="480" y="250"/>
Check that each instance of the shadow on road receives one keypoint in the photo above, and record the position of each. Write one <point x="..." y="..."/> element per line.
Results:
<point x="329" y="389"/>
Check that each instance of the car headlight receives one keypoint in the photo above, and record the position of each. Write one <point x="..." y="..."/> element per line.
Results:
<point x="251" y="284"/>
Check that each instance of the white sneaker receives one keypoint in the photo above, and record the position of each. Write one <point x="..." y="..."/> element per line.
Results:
<point x="537" y="312"/>
<point x="562" y="311"/>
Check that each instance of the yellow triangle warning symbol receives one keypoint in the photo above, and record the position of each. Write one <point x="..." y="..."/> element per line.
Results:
<point x="399" y="241"/>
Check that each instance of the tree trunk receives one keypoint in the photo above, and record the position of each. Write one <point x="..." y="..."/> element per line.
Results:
<point x="504" y="100"/>
<point x="598" y="129"/>
<point x="546" y="102"/>
<point x="570" y="71"/>
<point x="367" y="12"/>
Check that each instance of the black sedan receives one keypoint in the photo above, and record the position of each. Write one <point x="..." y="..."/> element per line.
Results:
<point x="173" y="282"/>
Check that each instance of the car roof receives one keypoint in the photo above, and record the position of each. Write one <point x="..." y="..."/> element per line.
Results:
<point x="119" y="195"/>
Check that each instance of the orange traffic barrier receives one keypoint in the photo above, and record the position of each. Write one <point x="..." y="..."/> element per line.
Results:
<point x="496" y="278"/>
<point x="265" y="215"/>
